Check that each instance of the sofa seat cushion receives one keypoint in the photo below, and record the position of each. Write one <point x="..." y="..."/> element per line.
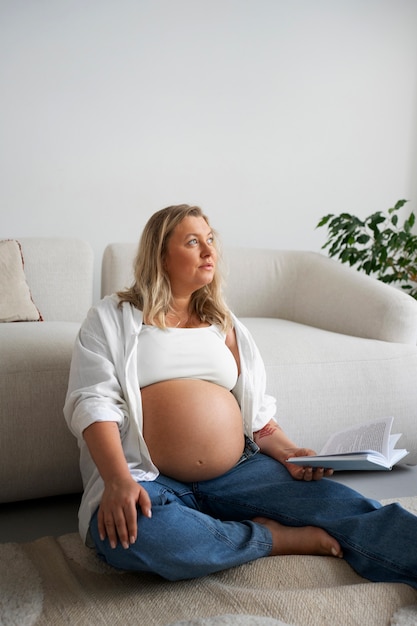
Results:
<point x="341" y="379"/>
<point x="39" y="454"/>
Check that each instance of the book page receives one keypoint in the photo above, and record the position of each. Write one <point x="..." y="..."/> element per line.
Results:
<point x="370" y="436"/>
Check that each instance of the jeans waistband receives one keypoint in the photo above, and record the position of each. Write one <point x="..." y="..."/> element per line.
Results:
<point x="249" y="450"/>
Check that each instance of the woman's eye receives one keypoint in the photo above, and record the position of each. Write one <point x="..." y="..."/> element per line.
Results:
<point x="194" y="241"/>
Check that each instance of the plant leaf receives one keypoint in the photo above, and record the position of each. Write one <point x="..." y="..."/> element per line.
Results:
<point x="324" y="220"/>
<point x="399" y="205"/>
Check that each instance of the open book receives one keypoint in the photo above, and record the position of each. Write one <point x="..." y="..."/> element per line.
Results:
<point x="368" y="446"/>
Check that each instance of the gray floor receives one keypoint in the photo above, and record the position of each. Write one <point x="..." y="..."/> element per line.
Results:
<point x="400" y="482"/>
<point x="29" y="520"/>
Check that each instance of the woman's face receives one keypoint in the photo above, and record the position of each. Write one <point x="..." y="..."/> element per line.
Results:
<point x="190" y="260"/>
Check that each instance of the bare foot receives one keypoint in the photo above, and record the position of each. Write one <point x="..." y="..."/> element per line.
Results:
<point x="300" y="540"/>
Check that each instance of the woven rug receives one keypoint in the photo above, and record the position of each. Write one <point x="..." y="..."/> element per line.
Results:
<point x="54" y="581"/>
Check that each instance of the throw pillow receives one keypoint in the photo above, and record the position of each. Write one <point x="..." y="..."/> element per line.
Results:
<point x="16" y="304"/>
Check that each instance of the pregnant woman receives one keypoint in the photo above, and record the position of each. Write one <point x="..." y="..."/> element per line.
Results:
<point x="182" y="459"/>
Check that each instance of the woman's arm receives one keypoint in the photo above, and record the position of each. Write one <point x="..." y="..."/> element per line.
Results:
<point x="117" y="516"/>
<point x="274" y="442"/>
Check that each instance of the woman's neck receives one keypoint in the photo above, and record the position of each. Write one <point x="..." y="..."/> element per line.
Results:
<point x="179" y="315"/>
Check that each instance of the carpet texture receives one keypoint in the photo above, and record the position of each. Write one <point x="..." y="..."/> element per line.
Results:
<point x="406" y="616"/>
<point x="231" y="620"/>
<point x="59" y="581"/>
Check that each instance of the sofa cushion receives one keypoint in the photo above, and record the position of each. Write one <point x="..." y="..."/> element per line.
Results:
<point x="60" y="273"/>
<point x="16" y="304"/>
<point x="39" y="456"/>
<point x="325" y="381"/>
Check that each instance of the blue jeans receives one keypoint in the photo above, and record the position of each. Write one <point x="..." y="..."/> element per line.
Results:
<point x="200" y="528"/>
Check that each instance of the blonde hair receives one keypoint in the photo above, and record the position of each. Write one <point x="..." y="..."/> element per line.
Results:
<point x="151" y="290"/>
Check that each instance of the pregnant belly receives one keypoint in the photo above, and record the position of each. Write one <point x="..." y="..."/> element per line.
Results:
<point x="193" y="428"/>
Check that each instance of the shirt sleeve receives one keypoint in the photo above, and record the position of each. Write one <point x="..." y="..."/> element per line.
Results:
<point x="94" y="392"/>
<point x="257" y="407"/>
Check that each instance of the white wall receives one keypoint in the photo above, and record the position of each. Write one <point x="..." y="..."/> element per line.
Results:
<point x="267" y="113"/>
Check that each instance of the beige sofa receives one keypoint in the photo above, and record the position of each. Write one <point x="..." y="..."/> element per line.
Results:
<point x="38" y="455"/>
<point x="339" y="348"/>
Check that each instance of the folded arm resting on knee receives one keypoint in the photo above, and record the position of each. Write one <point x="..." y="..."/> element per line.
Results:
<point x="274" y="442"/>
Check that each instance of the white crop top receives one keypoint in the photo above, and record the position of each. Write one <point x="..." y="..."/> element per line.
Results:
<point x="166" y="354"/>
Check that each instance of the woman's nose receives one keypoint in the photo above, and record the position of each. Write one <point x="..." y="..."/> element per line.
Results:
<point x="205" y="250"/>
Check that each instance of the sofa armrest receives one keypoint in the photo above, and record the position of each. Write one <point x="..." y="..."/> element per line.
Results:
<point x="310" y="288"/>
<point x="335" y="297"/>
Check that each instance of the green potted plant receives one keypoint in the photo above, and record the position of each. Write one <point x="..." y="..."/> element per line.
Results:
<point x="378" y="245"/>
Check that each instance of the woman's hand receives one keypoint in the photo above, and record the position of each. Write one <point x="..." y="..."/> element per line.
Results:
<point x="273" y="441"/>
<point x="305" y="472"/>
<point x="117" y="514"/>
